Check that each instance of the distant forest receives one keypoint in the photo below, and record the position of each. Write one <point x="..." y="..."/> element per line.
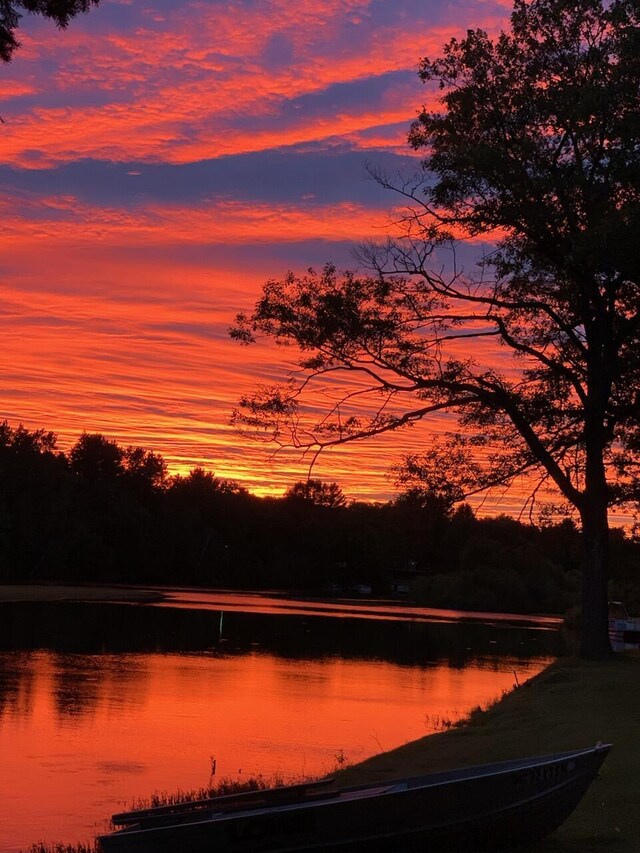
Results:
<point x="105" y="513"/>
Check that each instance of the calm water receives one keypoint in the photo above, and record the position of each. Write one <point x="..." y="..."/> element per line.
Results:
<point x="101" y="703"/>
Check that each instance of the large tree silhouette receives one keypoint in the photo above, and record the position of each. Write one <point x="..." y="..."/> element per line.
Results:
<point x="11" y="13"/>
<point x="534" y="143"/>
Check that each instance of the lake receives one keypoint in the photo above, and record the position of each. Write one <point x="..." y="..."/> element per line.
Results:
<point x="104" y="703"/>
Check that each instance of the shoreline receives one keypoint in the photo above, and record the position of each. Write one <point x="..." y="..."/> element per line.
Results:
<point x="87" y="593"/>
<point x="14" y="593"/>
<point x="571" y="704"/>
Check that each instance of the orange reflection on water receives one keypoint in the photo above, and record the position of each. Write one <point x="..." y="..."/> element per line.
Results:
<point x="82" y="735"/>
<point x="264" y="602"/>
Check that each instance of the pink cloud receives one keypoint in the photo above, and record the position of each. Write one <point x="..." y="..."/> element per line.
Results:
<point x="175" y="94"/>
<point x="112" y="319"/>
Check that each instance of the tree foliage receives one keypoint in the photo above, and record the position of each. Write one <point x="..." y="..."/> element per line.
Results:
<point x="60" y="525"/>
<point x="534" y="144"/>
<point x="95" y="457"/>
<point x="317" y="493"/>
<point x="11" y="13"/>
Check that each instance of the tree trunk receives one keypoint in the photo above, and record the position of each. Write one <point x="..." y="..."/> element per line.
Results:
<point x="595" y="611"/>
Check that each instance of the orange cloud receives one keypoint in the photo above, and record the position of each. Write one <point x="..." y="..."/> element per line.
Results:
<point x="65" y="220"/>
<point x="176" y="94"/>
<point x="115" y="318"/>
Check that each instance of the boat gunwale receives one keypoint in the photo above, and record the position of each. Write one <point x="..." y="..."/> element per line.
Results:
<point x="379" y="789"/>
<point x="541" y="795"/>
<point x="221" y="801"/>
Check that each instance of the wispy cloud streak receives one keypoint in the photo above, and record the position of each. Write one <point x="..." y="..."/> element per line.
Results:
<point x="158" y="163"/>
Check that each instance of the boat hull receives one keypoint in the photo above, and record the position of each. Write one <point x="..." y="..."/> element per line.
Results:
<point x="485" y="808"/>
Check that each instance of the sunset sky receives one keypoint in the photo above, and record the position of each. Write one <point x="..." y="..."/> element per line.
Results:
<point x="159" y="161"/>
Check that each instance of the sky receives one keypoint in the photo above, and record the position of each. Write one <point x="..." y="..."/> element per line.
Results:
<point x="159" y="162"/>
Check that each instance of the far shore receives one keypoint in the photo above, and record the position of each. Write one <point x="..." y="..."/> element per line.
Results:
<point x="62" y="592"/>
<point x="123" y="593"/>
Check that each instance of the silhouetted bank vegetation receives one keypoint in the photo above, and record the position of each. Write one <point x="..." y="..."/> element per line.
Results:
<point x="104" y="513"/>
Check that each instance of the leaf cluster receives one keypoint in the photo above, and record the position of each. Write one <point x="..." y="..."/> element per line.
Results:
<point x="11" y="12"/>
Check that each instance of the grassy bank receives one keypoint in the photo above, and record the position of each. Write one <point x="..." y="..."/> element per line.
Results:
<point x="571" y="704"/>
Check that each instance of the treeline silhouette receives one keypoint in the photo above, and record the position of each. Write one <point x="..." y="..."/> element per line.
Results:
<point x="105" y="513"/>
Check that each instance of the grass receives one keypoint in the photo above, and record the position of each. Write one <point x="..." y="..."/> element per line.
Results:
<point x="571" y="704"/>
<point x="63" y="848"/>
<point x="219" y="789"/>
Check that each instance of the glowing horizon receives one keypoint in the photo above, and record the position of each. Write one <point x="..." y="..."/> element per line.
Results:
<point x="158" y="165"/>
